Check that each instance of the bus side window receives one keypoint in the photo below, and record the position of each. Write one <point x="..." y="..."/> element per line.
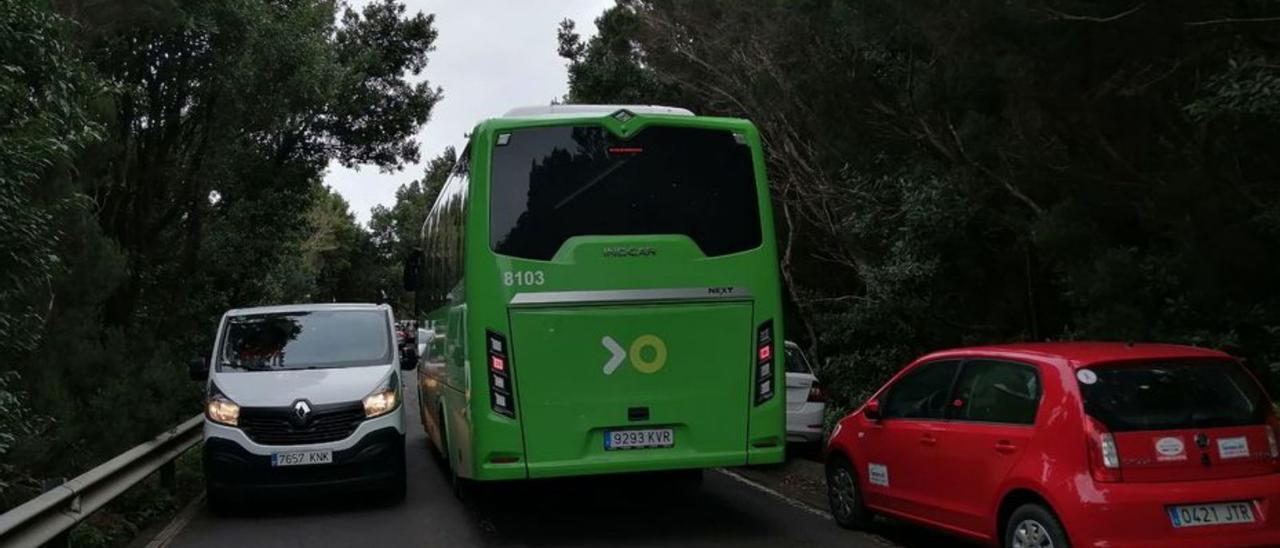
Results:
<point x="444" y="238"/>
<point x="461" y="191"/>
<point x="434" y="259"/>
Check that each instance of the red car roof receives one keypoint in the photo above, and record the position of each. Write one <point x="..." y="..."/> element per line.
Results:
<point x="1081" y="354"/>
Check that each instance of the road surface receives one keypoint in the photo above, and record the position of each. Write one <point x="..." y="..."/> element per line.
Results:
<point x="725" y="511"/>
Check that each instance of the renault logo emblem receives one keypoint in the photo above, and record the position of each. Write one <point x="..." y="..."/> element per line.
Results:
<point x="301" y="412"/>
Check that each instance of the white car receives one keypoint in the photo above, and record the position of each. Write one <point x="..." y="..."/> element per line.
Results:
<point x="304" y="396"/>
<point x="424" y="338"/>
<point x="806" y="403"/>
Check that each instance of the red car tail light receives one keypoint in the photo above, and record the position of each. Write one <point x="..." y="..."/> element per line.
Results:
<point x="1104" y="459"/>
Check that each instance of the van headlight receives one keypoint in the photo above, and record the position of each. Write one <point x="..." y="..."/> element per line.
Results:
<point x="384" y="399"/>
<point x="221" y="409"/>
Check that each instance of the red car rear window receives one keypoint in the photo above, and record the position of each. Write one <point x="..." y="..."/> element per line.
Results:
<point x="1172" y="395"/>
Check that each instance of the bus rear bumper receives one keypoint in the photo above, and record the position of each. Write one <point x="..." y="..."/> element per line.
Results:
<point x="608" y="464"/>
<point x="773" y="454"/>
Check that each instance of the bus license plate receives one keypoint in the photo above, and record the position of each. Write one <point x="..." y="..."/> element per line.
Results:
<point x="636" y="439"/>
<point x="1195" y="515"/>
<point x="302" y="458"/>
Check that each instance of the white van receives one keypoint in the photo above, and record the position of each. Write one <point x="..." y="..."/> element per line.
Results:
<point x="304" y="396"/>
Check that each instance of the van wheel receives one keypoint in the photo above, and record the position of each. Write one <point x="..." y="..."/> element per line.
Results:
<point x="845" y="496"/>
<point x="1034" y="526"/>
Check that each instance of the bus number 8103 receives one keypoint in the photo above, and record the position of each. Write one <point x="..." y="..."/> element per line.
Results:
<point x="530" y="277"/>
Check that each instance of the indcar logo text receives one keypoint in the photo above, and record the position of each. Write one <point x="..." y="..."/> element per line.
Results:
<point x="630" y="252"/>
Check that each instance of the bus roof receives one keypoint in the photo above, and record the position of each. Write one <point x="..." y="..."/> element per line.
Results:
<point x="579" y="111"/>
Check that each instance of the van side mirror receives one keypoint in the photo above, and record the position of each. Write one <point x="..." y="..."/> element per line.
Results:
<point x="198" y="368"/>
<point x="413" y="271"/>
<point x="872" y="410"/>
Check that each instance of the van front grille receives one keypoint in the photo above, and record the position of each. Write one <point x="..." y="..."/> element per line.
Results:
<point x="279" y="426"/>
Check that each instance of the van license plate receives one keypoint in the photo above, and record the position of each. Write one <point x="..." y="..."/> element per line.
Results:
<point x="636" y="439"/>
<point x="302" y="458"/>
<point x="1195" y="515"/>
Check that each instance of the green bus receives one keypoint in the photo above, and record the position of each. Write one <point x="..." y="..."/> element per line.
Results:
<point x="597" y="292"/>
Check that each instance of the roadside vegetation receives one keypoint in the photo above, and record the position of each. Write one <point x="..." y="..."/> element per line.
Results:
<point x="952" y="173"/>
<point x="161" y="162"/>
<point x="944" y="173"/>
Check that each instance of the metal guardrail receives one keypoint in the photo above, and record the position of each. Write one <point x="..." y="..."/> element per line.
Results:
<point x="51" y="515"/>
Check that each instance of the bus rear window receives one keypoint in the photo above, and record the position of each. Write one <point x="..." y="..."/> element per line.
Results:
<point x="1172" y="395"/>
<point x="551" y="184"/>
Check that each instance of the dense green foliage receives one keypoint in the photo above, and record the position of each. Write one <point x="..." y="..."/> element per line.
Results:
<point x="43" y="124"/>
<point x="951" y="173"/>
<point x="161" y="163"/>
<point x="397" y="230"/>
<point x="945" y="173"/>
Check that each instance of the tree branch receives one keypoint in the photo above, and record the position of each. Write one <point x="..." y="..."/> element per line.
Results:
<point x="1094" y="19"/>
<point x="1232" y="20"/>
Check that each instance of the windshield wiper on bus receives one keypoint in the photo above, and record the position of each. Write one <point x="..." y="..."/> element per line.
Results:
<point x="593" y="182"/>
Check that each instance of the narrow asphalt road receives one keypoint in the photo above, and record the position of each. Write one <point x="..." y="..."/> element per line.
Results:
<point x="620" y="510"/>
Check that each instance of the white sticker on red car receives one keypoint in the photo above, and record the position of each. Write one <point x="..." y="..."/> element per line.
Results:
<point x="1170" y="449"/>
<point x="878" y="474"/>
<point x="1233" y="448"/>
<point x="1086" y="376"/>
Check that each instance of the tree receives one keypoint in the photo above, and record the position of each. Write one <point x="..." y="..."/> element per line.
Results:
<point x="607" y="67"/>
<point x="958" y="172"/>
<point x="43" y="88"/>
<point x="396" y="231"/>
<point x="183" y="73"/>
<point x="340" y="254"/>
<point x="217" y="120"/>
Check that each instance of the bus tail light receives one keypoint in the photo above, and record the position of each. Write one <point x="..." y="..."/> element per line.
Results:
<point x="501" y="391"/>
<point x="1104" y="459"/>
<point x="764" y="362"/>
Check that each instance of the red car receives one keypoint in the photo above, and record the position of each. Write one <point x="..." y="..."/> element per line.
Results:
<point x="1051" y="444"/>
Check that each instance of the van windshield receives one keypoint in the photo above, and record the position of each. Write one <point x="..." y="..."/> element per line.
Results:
<point x="305" y="340"/>
<point x="551" y="184"/>
<point x="1172" y="395"/>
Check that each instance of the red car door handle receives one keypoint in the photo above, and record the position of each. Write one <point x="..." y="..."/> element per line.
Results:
<point x="928" y="439"/>
<point x="1004" y="446"/>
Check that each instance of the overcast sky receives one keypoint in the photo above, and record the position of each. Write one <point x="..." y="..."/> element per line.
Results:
<point x="491" y="55"/>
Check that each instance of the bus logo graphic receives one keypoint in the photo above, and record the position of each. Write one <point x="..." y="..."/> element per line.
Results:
<point x="635" y="354"/>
